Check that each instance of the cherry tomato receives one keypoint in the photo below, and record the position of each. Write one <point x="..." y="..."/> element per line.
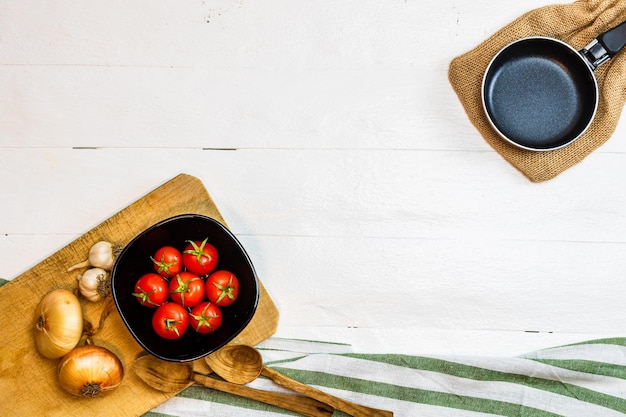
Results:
<point x="151" y="290"/>
<point x="187" y="289"/>
<point x="206" y="317"/>
<point x="200" y="257"/>
<point x="222" y="288"/>
<point x="170" y="321"/>
<point x="167" y="261"/>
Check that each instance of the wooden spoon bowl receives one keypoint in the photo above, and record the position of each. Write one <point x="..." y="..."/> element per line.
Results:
<point x="243" y="364"/>
<point x="174" y="377"/>
<point x="239" y="364"/>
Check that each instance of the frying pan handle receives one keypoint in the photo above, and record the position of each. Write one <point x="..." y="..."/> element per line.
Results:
<point x="605" y="46"/>
<point x="614" y="39"/>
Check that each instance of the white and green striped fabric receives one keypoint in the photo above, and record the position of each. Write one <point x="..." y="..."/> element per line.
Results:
<point x="586" y="379"/>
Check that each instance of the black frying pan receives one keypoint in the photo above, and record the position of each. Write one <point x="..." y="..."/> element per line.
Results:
<point x="541" y="94"/>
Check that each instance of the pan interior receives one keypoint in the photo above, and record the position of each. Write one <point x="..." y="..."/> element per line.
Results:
<point x="540" y="94"/>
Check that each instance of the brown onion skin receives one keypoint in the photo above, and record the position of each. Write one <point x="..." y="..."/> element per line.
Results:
<point x="58" y="324"/>
<point x="90" y="371"/>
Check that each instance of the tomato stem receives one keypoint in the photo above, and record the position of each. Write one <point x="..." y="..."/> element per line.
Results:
<point x="204" y="319"/>
<point x="198" y="251"/>
<point x="183" y="287"/>
<point x="163" y="267"/>
<point x="227" y="291"/>
<point x="170" y="324"/>
<point x="144" y="297"/>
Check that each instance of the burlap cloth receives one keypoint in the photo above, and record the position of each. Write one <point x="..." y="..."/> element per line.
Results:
<point x="577" y="24"/>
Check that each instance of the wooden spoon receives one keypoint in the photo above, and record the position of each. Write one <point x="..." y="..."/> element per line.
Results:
<point x="241" y="364"/>
<point x="174" y="377"/>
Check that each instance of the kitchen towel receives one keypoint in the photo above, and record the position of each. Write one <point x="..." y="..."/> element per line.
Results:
<point x="577" y="24"/>
<point x="579" y="380"/>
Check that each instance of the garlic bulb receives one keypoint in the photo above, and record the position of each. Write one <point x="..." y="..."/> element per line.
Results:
<point x="59" y="323"/>
<point x="101" y="255"/>
<point x="89" y="371"/>
<point x="94" y="284"/>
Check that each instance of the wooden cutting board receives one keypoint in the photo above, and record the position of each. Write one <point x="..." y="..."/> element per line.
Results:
<point x="28" y="381"/>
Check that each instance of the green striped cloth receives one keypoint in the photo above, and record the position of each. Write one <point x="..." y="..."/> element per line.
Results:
<point x="586" y="380"/>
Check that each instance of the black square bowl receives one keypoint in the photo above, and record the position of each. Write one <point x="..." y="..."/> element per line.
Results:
<point x="134" y="261"/>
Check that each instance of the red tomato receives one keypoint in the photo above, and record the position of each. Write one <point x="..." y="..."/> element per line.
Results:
<point x="222" y="288"/>
<point x="206" y="317"/>
<point x="167" y="261"/>
<point x="151" y="290"/>
<point x="187" y="289"/>
<point x="170" y="321"/>
<point x="200" y="257"/>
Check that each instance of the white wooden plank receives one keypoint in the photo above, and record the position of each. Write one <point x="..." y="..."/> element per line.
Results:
<point x="236" y="33"/>
<point x="354" y="162"/>
<point x="426" y="195"/>
<point x="117" y="107"/>
<point x="434" y="341"/>
<point x="254" y="75"/>
<point x="552" y="265"/>
<point x="477" y="285"/>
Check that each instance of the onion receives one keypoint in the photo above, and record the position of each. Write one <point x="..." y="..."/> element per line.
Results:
<point x="59" y="323"/>
<point x="90" y="371"/>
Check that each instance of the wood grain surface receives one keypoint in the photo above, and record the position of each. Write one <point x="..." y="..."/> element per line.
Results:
<point x="30" y="379"/>
<point x="329" y="136"/>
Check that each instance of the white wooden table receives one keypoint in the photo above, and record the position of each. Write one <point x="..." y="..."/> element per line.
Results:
<point x="332" y="142"/>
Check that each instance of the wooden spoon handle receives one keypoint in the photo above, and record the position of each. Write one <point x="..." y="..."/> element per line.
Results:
<point x="355" y="410"/>
<point x="296" y="403"/>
